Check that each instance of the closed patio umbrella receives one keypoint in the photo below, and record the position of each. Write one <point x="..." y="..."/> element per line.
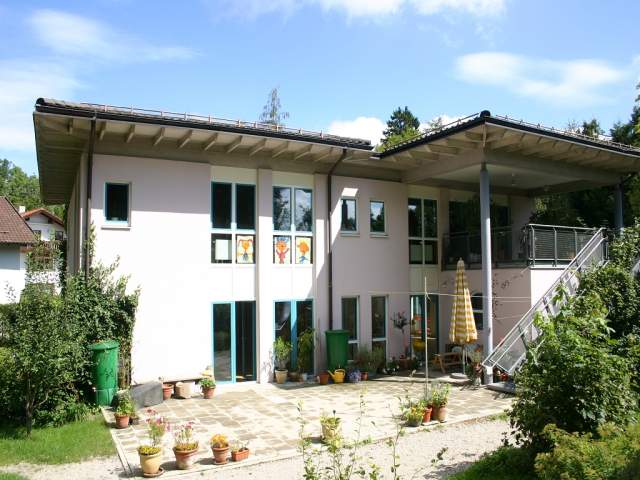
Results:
<point x="463" y="326"/>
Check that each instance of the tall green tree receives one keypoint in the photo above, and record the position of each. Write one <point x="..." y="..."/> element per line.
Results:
<point x="401" y="126"/>
<point x="272" y="112"/>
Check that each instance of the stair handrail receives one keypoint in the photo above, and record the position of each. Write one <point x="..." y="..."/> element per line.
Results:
<point x="567" y="274"/>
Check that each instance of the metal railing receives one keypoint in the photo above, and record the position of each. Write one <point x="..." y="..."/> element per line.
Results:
<point x="512" y="350"/>
<point x="534" y="244"/>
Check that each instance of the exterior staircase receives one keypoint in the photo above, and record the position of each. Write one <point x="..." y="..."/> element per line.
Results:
<point x="511" y="352"/>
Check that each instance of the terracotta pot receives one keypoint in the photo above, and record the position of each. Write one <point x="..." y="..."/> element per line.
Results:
<point x="167" y="391"/>
<point x="122" y="421"/>
<point x="364" y="376"/>
<point x="294" y="376"/>
<point x="426" y="416"/>
<point x="220" y="455"/>
<point x="441" y="413"/>
<point x="150" y="464"/>
<point x="240" y="455"/>
<point x="207" y="393"/>
<point x="281" y="376"/>
<point x="404" y="363"/>
<point x="185" y="458"/>
<point x="323" y="378"/>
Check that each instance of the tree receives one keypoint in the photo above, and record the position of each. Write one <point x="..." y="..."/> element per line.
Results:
<point x="272" y="112"/>
<point x="592" y="128"/>
<point x="401" y="126"/>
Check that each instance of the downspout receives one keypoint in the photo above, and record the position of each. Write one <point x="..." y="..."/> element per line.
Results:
<point x="329" y="244"/>
<point x="87" y="208"/>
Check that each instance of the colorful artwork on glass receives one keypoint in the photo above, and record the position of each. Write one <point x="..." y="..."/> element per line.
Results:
<point x="281" y="250"/>
<point x="303" y="250"/>
<point x="244" y="248"/>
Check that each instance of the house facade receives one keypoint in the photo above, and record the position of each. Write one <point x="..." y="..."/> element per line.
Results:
<point x="239" y="232"/>
<point x="45" y="225"/>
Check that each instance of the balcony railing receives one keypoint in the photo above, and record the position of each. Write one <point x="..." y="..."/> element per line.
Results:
<point x="533" y="244"/>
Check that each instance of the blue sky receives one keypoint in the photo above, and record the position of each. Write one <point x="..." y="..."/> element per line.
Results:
<point x="341" y="65"/>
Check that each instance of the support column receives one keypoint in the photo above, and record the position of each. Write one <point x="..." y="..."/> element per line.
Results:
<point x="487" y="304"/>
<point x="264" y="266"/>
<point x="619" y="207"/>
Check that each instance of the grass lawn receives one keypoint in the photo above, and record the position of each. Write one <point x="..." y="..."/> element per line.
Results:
<point x="70" y="443"/>
<point x="11" y="476"/>
<point x="506" y="463"/>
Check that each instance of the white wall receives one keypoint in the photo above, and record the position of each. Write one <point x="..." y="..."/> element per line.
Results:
<point x="12" y="272"/>
<point x="47" y="228"/>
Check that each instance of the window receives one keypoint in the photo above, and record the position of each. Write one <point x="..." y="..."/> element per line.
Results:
<point x="423" y="231"/>
<point x="59" y="235"/>
<point x="477" y="305"/>
<point x="378" y="323"/>
<point x="349" y="220"/>
<point x="350" y="321"/>
<point x="233" y="209"/>
<point x="116" y="208"/>
<point x="292" y="225"/>
<point x="38" y="234"/>
<point x="377" y="220"/>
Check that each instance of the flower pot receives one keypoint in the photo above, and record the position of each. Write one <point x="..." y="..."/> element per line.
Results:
<point x="414" y="422"/>
<point x="323" y="378"/>
<point x="207" y="392"/>
<point x="183" y="390"/>
<point x="167" y="391"/>
<point x="122" y="421"/>
<point x="240" y="455"/>
<point x="281" y="376"/>
<point x="441" y="413"/>
<point x="185" y="458"/>
<point x="294" y="376"/>
<point x="220" y="455"/>
<point x="404" y="363"/>
<point x="364" y="376"/>
<point x="426" y="416"/>
<point x="150" y="464"/>
<point x="304" y="377"/>
<point x="134" y="420"/>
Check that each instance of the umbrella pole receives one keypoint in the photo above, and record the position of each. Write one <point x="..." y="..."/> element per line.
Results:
<point x="426" y="343"/>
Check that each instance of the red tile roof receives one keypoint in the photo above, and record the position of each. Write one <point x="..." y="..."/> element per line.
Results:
<point x="13" y="228"/>
<point x="45" y="212"/>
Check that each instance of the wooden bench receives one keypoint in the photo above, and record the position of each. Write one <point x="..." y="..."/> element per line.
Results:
<point x="448" y="359"/>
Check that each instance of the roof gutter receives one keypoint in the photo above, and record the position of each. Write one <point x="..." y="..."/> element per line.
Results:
<point x="329" y="244"/>
<point x="87" y="208"/>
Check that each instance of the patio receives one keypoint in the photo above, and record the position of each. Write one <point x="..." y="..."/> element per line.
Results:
<point x="266" y="417"/>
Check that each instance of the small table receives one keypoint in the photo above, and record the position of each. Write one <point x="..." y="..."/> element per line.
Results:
<point x="447" y="360"/>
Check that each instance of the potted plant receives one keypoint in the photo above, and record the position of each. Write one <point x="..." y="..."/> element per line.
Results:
<point x="124" y="410"/>
<point x="305" y="353"/>
<point x="167" y="391"/>
<point x="281" y="352"/>
<point x="475" y="358"/>
<point x="330" y="427"/>
<point x="239" y="451"/>
<point x="151" y="453"/>
<point x="185" y="446"/>
<point x="400" y="321"/>
<point x="220" y="448"/>
<point x="427" y="407"/>
<point x="323" y="378"/>
<point x="413" y="415"/>
<point x="440" y="398"/>
<point x="354" y="376"/>
<point x="377" y="361"/>
<point x="208" y="386"/>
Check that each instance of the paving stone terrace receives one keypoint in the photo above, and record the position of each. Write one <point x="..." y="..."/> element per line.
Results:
<point x="267" y="418"/>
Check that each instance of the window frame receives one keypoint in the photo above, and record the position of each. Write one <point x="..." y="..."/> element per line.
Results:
<point x="355" y="341"/>
<point x="293" y="326"/>
<point x="356" y="230"/>
<point x="385" y="232"/>
<point x="293" y="231"/>
<point x="423" y="238"/>
<point x="385" y="320"/>
<point x="117" y="223"/>
<point x="480" y="311"/>
<point x="233" y="230"/>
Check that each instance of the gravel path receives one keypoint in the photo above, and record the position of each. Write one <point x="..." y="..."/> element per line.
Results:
<point x="458" y="446"/>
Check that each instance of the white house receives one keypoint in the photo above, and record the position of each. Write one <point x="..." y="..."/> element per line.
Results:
<point x="15" y="238"/>
<point x="238" y="231"/>
<point x="45" y="225"/>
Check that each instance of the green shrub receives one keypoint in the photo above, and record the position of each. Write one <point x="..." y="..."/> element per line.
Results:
<point x="572" y="377"/>
<point x="506" y="463"/>
<point x="615" y="455"/>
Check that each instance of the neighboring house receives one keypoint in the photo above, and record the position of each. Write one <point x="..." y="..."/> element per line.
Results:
<point x="45" y="225"/>
<point x="240" y="232"/>
<point x="15" y="238"/>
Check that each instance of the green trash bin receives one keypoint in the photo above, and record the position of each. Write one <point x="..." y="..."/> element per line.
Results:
<point x="337" y="348"/>
<point x="104" y="357"/>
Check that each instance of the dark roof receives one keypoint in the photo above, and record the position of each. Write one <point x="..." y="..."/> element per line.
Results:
<point x="485" y="117"/>
<point x="13" y="229"/>
<point x="159" y="117"/>
<point x="45" y="212"/>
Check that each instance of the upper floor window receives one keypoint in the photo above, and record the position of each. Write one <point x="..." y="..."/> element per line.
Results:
<point x="292" y="225"/>
<point x="233" y="219"/>
<point x="116" y="202"/>
<point x="377" y="217"/>
<point x="423" y="231"/>
<point x="349" y="219"/>
<point x="59" y="235"/>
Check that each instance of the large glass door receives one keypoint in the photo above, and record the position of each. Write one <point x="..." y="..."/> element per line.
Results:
<point x="418" y="332"/>
<point x="234" y="341"/>
<point x="292" y="319"/>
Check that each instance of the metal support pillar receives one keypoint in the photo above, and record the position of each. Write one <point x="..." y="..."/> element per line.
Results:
<point x="487" y="303"/>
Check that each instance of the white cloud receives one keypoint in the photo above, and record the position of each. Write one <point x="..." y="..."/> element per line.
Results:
<point x="21" y="83"/>
<point x="444" y="118"/>
<point x="368" y="128"/>
<point x="364" y="8"/>
<point x="73" y="35"/>
<point x="570" y="82"/>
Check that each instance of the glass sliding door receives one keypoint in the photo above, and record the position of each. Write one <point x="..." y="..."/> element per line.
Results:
<point x="418" y="332"/>
<point x="379" y="324"/>
<point x="292" y="318"/>
<point x="234" y="326"/>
